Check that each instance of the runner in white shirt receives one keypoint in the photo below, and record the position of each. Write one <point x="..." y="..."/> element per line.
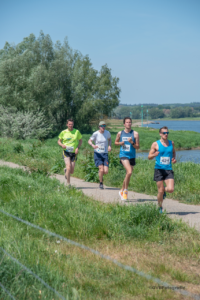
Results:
<point x="102" y="139"/>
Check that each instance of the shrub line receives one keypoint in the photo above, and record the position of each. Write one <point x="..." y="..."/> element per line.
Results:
<point x="96" y="252"/>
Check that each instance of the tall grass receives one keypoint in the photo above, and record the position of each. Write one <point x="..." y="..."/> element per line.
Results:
<point x="73" y="272"/>
<point x="46" y="157"/>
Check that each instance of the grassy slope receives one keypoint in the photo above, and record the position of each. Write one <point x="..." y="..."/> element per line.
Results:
<point x="43" y="156"/>
<point x="135" y="235"/>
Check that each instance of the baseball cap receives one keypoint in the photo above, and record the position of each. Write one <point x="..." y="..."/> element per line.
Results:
<point x="102" y="123"/>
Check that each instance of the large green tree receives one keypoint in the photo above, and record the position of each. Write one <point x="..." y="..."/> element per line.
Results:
<point x="36" y="74"/>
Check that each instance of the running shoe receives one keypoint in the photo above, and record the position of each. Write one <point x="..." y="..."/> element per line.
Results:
<point x="121" y="195"/>
<point x="160" y="210"/>
<point x="65" y="173"/>
<point x="164" y="195"/>
<point x="101" y="186"/>
<point x="125" y="194"/>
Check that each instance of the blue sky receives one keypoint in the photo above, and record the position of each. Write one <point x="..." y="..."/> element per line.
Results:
<point x="153" y="46"/>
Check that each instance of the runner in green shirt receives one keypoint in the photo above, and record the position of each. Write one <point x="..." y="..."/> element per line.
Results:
<point x="70" y="140"/>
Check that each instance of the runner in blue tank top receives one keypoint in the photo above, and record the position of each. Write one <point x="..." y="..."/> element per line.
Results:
<point x="164" y="152"/>
<point x="128" y="140"/>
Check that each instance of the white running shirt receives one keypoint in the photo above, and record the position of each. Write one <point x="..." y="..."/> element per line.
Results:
<point x="101" y="140"/>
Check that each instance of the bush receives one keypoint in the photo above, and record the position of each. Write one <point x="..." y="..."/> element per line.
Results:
<point x="23" y="125"/>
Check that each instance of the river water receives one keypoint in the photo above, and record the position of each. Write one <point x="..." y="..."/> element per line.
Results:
<point x="177" y="125"/>
<point x="183" y="155"/>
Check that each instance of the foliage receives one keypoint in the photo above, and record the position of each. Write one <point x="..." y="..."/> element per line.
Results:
<point x="89" y="168"/>
<point x="25" y="125"/>
<point x="156" y="113"/>
<point x="123" y="111"/>
<point x="57" y="80"/>
<point x="58" y="167"/>
<point x="182" y="112"/>
<point x="18" y="148"/>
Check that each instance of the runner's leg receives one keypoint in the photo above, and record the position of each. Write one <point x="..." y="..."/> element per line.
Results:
<point x="160" y="187"/>
<point x="105" y="170"/>
<point x="101" y="173"/>
<point x="68" y="168"/>
<point x="129" y="171"/>
<point x="72" y="167"/>
<point x="169" y="185"/>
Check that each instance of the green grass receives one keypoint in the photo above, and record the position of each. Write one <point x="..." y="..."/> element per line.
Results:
<point x="46" y="157"/>
<point x="123" y="232"/>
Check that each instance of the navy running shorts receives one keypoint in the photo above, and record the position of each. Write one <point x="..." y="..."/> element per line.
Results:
<point x="101" y="159"/>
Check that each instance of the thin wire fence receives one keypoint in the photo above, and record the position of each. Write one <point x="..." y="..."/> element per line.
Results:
<point x="106" y="257"/>
<point x="32" y="273"/>
<point x="7" y="292"/>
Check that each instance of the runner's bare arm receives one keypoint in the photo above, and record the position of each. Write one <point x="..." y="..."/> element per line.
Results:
<point x="109" y="144"/>
<point x="153" y="151"/>
<point x="79" y="145"/>
<point x="117" y="140"/>
<point x="60" y="144"/>
<point x="136" y="145"/>
<point x="92" y="145"/>
<point x="174" y="154"/>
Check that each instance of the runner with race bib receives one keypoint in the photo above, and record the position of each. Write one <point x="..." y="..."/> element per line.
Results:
<point x="102" y="139"/>
<point x="128" y="140"/>
<point x="70" y="140"/>
<point x="165" y="154"/>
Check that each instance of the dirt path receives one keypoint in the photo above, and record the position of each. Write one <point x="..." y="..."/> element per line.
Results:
<point x="188" y="213"/>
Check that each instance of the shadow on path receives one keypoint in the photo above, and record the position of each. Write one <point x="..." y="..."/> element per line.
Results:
<point x="182" y="213"/>
<point x="86" y="188"/>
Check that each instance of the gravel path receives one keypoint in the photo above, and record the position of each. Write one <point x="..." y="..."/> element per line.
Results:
<point x="188" y="213"/>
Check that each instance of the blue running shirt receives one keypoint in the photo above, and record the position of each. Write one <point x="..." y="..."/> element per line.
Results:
<point x="127" y="150"/>
<point x="164" y="158"/>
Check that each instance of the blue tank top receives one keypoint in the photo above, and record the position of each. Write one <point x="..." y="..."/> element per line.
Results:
<point x="127" y="150"/>
<point x="164" y="158"/>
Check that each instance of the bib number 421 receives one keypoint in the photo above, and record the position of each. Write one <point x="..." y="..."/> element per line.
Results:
<point x="165" y="160"/>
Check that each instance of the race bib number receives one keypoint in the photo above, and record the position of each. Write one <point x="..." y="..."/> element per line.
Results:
<point x="126" y="148"/>
<point x="101" y="149"/>
<point x="69" y="149"/>
<point x="164" y="160"/>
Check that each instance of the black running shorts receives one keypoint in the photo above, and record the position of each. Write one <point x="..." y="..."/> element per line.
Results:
<point x="73" y="156"/>
<point x="160" y="175"/>
<point x="131" y="160"/>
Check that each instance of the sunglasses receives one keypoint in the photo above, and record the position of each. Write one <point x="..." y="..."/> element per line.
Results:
<point x="102" y="126"/>
<point x="166" y="132"/>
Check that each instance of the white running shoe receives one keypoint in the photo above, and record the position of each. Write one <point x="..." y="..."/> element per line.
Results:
<point x="121" y="195"/>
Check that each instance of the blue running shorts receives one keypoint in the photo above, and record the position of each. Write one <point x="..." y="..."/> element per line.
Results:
<point x="101" y="159"/>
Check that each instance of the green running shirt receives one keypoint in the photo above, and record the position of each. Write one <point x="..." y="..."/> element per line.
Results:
<point x="70" y="139"/>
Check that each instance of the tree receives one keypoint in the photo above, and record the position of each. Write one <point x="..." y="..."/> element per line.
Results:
<point x="61" y="82"/>
<point x="156" y="113"/>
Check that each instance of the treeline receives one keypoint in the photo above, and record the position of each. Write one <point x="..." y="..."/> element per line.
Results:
<point x="54" y="81"/>
<point x="158" y="112"/>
